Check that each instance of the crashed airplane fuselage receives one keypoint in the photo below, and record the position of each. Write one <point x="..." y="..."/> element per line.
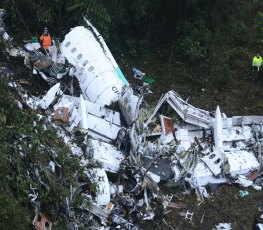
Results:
<point x="101" y="80"/>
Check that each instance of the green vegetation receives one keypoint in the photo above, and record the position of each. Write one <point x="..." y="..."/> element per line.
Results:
<point x="26" y="150"/>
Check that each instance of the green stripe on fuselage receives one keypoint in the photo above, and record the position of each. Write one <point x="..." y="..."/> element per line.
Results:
<point x="121" y="76"/>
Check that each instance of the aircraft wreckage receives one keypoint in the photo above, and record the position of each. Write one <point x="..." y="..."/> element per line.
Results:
<point x="175" y="142"/>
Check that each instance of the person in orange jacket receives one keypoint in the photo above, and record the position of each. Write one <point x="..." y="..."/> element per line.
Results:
<point x="45" y="39"/>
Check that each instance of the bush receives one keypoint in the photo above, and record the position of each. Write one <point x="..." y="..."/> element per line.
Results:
<point x="12" y="215"/>
<point x="222" y="75"/>
<point x="191" y="50"/>
<point x="258" y="26"/>
<point x="240" y="33"/>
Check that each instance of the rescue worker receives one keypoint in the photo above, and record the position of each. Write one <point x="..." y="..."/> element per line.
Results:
<point x="256" y="64"/>
<point x="45" y="39"/>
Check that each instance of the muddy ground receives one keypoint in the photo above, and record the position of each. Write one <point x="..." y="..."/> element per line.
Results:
<point x="239" y="95"/>
<point x="226" y="206"/>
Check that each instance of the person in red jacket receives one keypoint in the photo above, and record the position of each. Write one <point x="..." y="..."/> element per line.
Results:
<point x="45" y="39"/>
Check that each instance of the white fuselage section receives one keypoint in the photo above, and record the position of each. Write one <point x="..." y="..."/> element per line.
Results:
<point x="100" y="79"/>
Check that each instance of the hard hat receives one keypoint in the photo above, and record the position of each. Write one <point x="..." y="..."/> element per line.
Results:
<point x="45" y="29"/>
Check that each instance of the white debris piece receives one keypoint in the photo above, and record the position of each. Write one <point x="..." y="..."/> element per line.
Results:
<point x="44" y="76"/>
<point x="50" y="96"/>
<point x="99" y="178"/>
<point x="15" y="52"/>
<point x="32" y="46"/>
<point x="12" y="84"/>
<point x="83" y="114"/>
<point x="236" y="133"/>
<point x="51" y="164"/>
<point x="154" y="177"/>
<point x="116" y="189"/>
<point x="218" y="130"/>
<point x="102" y="123"/>
<point x="242" y="180"/>
<point x="19" y="104"/>
<point x="247" y="120"/>
<point x="166" y="139"/>
<point x="177" y="173"/>
<point x="259" y="226"/>
<point x="128" y="104"/>
<point x="242" y="162"/>
<point x="257" y="187"/>
<point x="53" y="51"/>
<point x="6" y="36"/>
<point x="203" y="192"/>
<point x="214" y="161"/>
<point x="182" y="136"/>
<point x="189" y="215"/>
<point x="223" y="226"/>
<point x="108" y="155"/>
<point x="111" y="116"/>
<point x="32" y="102"/>
<point x="99" y="127"/>
<point x="186" y="111"/>
<point x="202" y="176"/>
<point x="96" y="210"/>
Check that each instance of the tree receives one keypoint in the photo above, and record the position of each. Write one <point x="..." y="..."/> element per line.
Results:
<point x="58" y="15"/>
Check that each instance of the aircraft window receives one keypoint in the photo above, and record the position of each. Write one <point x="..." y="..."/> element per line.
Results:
<point x="79" y="56"/>
<point x="68" y="44"/>
<point x="85" y="63"/>
<point x="90" y="68"/>
<point x="212" y="156"/>
<point x="73" y="50"/>
<point x="188" y="175"/>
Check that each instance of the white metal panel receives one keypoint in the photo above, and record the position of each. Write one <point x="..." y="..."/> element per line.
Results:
<point x="83" y="114"/>
<point x="109" y="115"/>
<point x="99" y="125"/>
<point x="108" y="155"/>
<point x="241" y="162"/>
<point x="50" y="96"/>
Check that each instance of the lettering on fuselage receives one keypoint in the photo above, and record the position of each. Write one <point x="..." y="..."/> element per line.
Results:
<point x="115" y="90"/>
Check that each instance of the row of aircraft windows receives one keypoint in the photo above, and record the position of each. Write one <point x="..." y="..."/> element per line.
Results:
<point x="73" y="50"/>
